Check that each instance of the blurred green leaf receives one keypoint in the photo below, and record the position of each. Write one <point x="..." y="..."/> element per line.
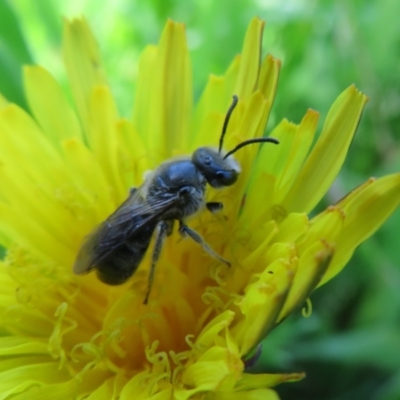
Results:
<point x="13" y="53"/>
<point x="370" y="347"/>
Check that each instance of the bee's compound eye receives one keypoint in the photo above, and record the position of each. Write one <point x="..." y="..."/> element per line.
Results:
<point x="226" y="178"/>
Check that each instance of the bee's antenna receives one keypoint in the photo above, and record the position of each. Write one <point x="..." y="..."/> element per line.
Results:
<point x="250" y="141"/>
<point x="227" y="118"/>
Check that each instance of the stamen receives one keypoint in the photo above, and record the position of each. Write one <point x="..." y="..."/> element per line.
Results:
<point x="55" y="340"/>
<point x="306" y="311"/>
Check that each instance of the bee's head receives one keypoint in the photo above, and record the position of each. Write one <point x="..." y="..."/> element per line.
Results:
<point x="220" y="169"/>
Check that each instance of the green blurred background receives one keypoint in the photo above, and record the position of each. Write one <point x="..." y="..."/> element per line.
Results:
<point x="350" y="346"/>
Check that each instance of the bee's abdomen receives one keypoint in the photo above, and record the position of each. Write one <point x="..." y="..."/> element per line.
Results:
<point x="121" y="264"/>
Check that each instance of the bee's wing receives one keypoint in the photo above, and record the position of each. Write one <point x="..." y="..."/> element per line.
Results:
<point x="134" y="214"/>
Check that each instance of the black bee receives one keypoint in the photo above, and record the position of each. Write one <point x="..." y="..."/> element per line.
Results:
<point x="174" y="191"/>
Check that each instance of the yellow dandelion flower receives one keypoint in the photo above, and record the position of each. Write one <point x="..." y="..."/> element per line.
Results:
<point x="66" y="168"/>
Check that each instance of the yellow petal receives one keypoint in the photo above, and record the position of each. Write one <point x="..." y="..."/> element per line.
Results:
<point x="267" y="84"/>
<point x="14" y="380"/>
<point x="299" y="149"/>
<point x="217" y="368"/>
<point x="21" y="345"/>
<point x="24" y="194"/>
<point x="212" y="105"/>
<point x="262" y="303"/>
<point x="209" y="333"/>
<point x="132" y="155"/>
<point x="174" y="79"/>
<point x="269" y="74"/>
<point x="29" y="148"/>
<point x="328" y="154"/>
<point x="49" y="105"/>
<point x="109" y="390"/>
<point x="231" y="78"/>
<point x="254" y="381"/>
<point x="50" y="392"/>
<point x="83" y="63"/>
<point x="260" y="196"/>
<point x="292" y="228"/>
<point x="316" y="250"/>
<point x="246" y="123"/>
<point x="366" y="209"/>
<point x="273" y="159"/>
<point x="103" y="139"/>
<point x="312" y="266"/>
<point x="325" y="227"/>
<point x="248" y="126"/>
<point x="250" y="60"/>
<point x="90" y="179"/>
<point x="70" y="389"/>
<point x="144" y="94"/>
<point x="169" y="80"/>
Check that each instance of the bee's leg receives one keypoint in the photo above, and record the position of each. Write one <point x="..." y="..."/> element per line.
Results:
<point x="170" y="227"/>
<point x="162" y="230"/>
<point x="185" y="230"/>
<point x="214" y="206"/>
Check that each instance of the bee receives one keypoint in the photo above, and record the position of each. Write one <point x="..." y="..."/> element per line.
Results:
<point x="173" y="192"/>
